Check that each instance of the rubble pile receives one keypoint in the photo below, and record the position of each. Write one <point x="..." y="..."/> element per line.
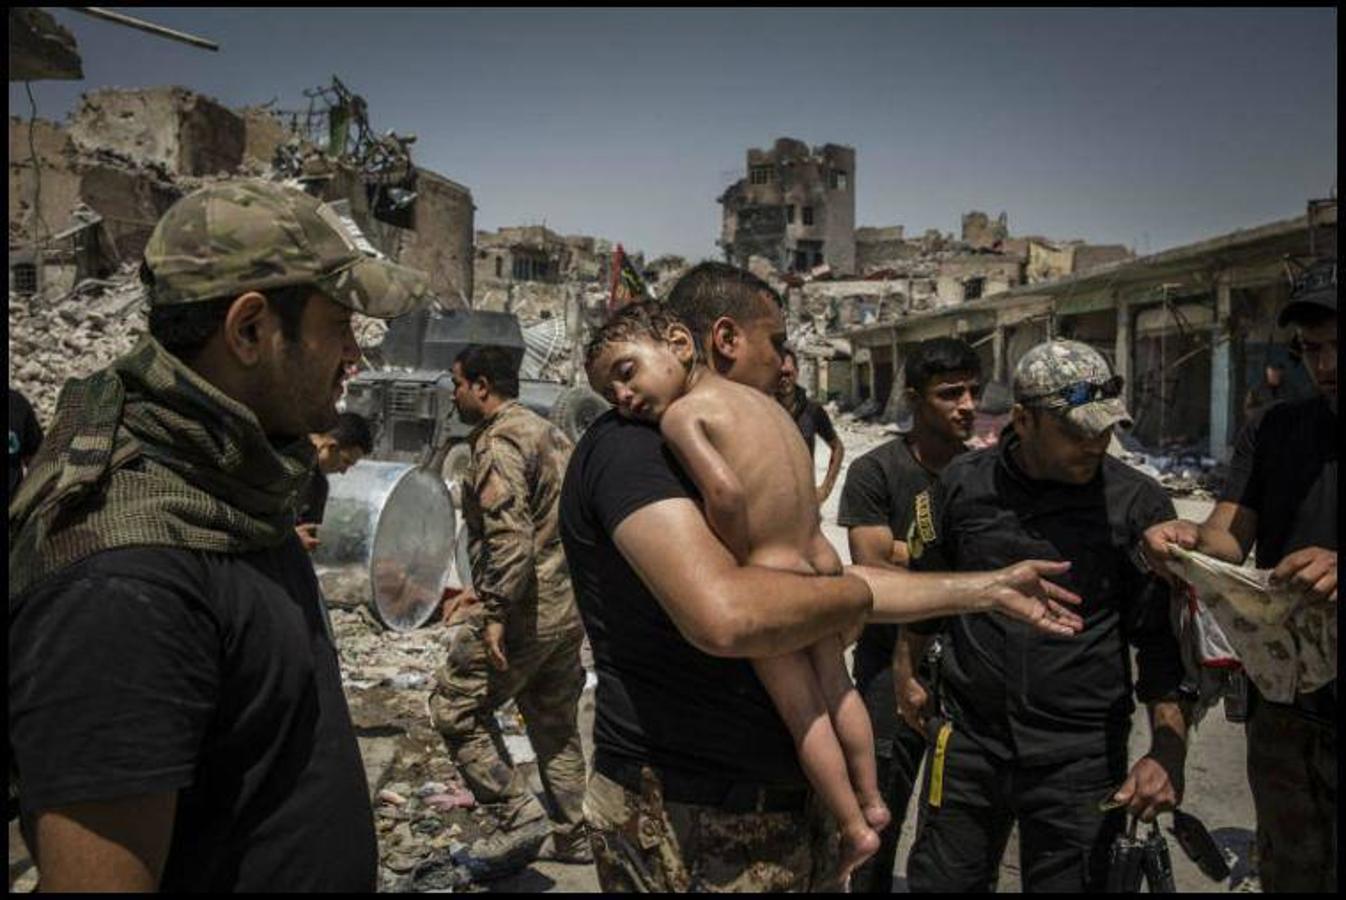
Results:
<point x="1183" y="471"/>
<point x="423" y="813"/>
<point x="70" y="336"/>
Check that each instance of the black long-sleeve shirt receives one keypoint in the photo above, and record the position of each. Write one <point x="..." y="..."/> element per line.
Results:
<point x="1021" y="694"/>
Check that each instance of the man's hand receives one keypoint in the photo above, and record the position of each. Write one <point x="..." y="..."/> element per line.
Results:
<point x="912" y="700"/>
<point x="459" y="602"/>
<point x="1157" y="538"/>
<point x="494" y="636"/>
<point x="1312" y="569"/>
<point x="1022" y="591"/>
<point x="1148" y="790"/>
<point x="308" y="535"/>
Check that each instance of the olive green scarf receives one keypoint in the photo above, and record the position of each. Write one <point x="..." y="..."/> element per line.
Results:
<point x="148" y="453"/>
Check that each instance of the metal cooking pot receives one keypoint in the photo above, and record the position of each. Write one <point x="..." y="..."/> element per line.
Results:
<point x="390" y="527"/>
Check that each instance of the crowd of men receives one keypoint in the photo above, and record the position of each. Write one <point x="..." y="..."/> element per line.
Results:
<point x="176" y="714"/>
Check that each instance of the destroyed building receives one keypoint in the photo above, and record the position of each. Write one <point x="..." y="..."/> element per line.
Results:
<point x="1189" y="328"/>
<point x="795" y="207"/>
<point x="126" y="155"/>
<point x="533" y="272"/>
<point x="85" y="195"/>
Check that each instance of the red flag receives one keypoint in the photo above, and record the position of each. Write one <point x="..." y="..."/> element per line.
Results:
<point x="627" y="286"/>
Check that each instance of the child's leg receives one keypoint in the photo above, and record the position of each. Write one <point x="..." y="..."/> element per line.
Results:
<point x="851" y="723"/>
<point x="794" y="688"/>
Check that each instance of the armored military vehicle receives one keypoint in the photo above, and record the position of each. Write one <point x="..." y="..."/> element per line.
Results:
<point x="409" y="404"/>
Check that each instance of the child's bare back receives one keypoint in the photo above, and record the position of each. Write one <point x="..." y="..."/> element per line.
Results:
<point x="767" y="457"/>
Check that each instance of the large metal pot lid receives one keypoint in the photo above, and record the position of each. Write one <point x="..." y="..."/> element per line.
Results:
<point x="397" y="522"/>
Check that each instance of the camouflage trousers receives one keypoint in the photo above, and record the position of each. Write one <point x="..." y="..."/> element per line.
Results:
<point x="1292" y="769"/>
<point x="643" y="843"/>
<point x="545" y="679"/>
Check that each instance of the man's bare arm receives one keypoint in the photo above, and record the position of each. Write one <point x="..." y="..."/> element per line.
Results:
<point x="725" y="609"/>
<point x="726" y="500"/>
<point x="912" y="696"/>
<point x="117" y="845"/>
<point x="873" y="545"/>
<point x="833" y="468"/>
<point x="1228" y="533"/>
<point x="1021" y="591"/>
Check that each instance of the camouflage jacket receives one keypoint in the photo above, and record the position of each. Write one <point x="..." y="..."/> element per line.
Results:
<point x="510" y="506"/>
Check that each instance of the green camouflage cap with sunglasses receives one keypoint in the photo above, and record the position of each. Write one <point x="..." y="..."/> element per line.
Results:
<point x="1048" y="373"/>
<point x="252" y="235"/>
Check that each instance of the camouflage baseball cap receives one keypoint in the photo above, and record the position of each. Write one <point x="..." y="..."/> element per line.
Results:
<point x="1049" y="372"/>
<point x="1314" y="288"/>
<point x="239" y="236"/>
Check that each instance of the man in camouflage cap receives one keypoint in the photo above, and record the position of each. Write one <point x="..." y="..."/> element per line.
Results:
<point x="176" y="717"/>
<point x="1037" y="727"/>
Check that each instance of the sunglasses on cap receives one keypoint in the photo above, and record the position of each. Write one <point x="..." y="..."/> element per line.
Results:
<point x="1078" y="394"/>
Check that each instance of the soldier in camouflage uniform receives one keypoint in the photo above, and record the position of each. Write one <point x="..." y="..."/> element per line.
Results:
<point x="525" y="644"/>
<point x="176" y="717"/>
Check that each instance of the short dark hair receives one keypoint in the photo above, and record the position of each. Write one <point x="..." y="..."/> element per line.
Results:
<point x="184" y="328"/>
<point x="939" y="356"/>
<point x="352" y="430"/>
<point x="710" y="290"/>
<point x="496" y="364"/>
<point x="633" y="322"/>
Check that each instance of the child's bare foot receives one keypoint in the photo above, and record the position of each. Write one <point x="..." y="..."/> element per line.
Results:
<point x="857" y="845"/>
<point x="876" y="813"/>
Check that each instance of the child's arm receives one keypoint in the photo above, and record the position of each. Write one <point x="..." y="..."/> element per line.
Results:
<point x="726" y="502"/>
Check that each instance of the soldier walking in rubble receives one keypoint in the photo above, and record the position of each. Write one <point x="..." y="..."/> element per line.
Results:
<point x="176" y="716"/>
<point x="525" y="642"/>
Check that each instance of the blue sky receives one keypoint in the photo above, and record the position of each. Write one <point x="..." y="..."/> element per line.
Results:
<point x="1149" y="127"/>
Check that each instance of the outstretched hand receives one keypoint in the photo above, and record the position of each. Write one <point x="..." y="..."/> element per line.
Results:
<point x="1022" y="592"/>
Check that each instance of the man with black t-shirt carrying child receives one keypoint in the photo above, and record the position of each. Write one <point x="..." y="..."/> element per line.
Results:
<point x="696" y="785"/>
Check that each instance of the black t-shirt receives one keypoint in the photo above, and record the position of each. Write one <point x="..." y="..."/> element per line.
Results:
<point x="145" y="670"/>
<point x="25" y="436"/>
<point x="880" y="489"/>
<point x="812" y="419"/>
<point x="315" y="498"/>
<point x="659" y="700"/>
<point x="1019" y="693"/>
<point x="1285" y="470"/>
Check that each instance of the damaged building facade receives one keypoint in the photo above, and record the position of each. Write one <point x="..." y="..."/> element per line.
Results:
<point x="103" y="179"/>
<point x="795" y="207"/>
<point x="1190" y="329"/>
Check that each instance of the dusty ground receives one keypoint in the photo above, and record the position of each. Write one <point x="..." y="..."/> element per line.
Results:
<point x="416" y="793"/>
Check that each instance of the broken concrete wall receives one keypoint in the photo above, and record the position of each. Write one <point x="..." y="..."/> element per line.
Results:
<point x="882" y="248"/>
<point x="180" y="130"/>
<point x="975" y="275"/>
<point x="981" y="233"/>
<point x="441" y="244"/>
<point x="262" y="134"/>
<point x="1088" y="257"/>
<point x="130" y="198"/>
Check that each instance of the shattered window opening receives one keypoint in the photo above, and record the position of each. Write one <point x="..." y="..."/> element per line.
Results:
<point x="837" y="181"/>
<point x="24" y="275"/>
<point x="808" y="215"/>
<point x="761" y="174"/>
<point x="790" y="214"/>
